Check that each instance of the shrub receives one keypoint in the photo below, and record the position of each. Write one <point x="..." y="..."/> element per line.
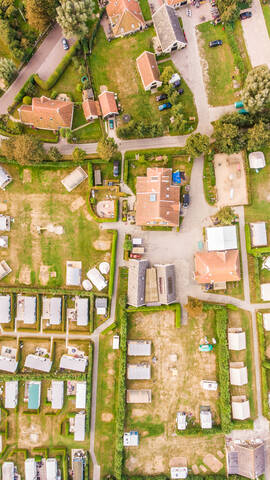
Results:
<point x="113" y="263"/>
<point x="27" y="100"/>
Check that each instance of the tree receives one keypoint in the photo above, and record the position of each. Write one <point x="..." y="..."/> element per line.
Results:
<point x="258" y="137"/>
<point x="106" y="148"/>
<point x="197" y="144"/>
<point x="194" y="307"/>
<point x="78" y="154"/>
<point x="54" y="155"/>
<point x="73" y="15"/>
<point x="174" y="97"/>
<point x="179" y="121"/>
<point x="128" y="245"/>
<point x="230" y="14"/>
<point x="256" y="91"/>
<point x="225" y="216"/>
<point x="229" y="138"/>
<point x="7" y="70"/>
<point x="23" y="149"/>
<point x="39" y="13"/>
<point x="166" y="74"/>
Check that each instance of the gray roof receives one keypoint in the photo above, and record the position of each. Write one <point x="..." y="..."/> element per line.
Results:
<point x="73" y="273"/>
<point x="139" y="348"/>
<point x="246" y="459"/>
<point x="166" y="283"/>
<point x="81" y="305"/>
<point x="3" y="241"/>
<point x="53" y="309"/>
<point x="136" y="282"/>
<point x="36" y="362"/>
<point x="8" y="364"/>
<point x="4" y="308"/>
<point x="167" y="27"/>
<point x="5" y="178"/>
<point x="4" y="269"/>
<point x="101" y="302"/>
<point x="141" y="371"/>
<point x="11" y="394"/>
<point x="57" y="394"/>
<point x="76" y="364"/>
<point x="139" y="396"/>
<point x="79" y="427"/>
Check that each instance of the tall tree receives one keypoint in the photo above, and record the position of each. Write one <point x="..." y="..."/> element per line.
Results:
<point x="54" y="155"/>
<point x="78" y="154"/>
<point x="7" y="70"/>
<point x="256" y="91"/>
<point x="229" y="138"/>
<point x="197" y="144"/>
<point x="23" y="149"/>
<point x="258" y="137"/>
<point x="179" y="120"/>
<point x="106" y="148"/>
<point x="37" y="13"/>
<point x="73" y="15"/>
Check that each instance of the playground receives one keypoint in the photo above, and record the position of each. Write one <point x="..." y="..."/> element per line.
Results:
<point x="230" y="180"/>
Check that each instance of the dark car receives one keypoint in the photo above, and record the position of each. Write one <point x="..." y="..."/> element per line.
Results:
<point x="180" y="91"/>
<point x="177" y="84"/>
<point x="164" y="106"/>
<point x="163" y="96"/>
<point x="115" y="168"/>
<point x="186" y="200"/>
<point x="245" y="15"/>
<point x="215" y="43"/>
<point x="65" y="44"/>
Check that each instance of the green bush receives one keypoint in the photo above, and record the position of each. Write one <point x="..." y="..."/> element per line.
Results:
<point x="27" y="100"/>
<point x="89" y="389"/>
<point x="22" y="93"/>
<point x="236" y="53"/>
<point x="90" y="175"/>
<point x="113" y="263"/>
<point x="209" y="178"/>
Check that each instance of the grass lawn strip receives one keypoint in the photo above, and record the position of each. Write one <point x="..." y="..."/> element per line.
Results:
<point x="266" y="12"/>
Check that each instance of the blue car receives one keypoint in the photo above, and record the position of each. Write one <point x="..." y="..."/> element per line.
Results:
<point x="164" y="106"/>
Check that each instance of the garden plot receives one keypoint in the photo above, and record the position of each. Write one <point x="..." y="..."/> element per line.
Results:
<point x="230" y="180"/>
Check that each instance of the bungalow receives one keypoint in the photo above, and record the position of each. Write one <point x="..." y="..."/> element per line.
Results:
<point x="5" y="178"/>
<point x="52" y="309"/>
<point x="76" y="364"/>
<point x="125" y="17"/>
<point x="148" y="70"/>
<point x="38" y="362"/>
<point x="51" y="469"/>
<point x="108" y="104"/>
<point x="236" y="339"/>
<point x="141" y="371"/>
<point x="80" y="395"/>
<point x="8" y="362"/>
<point x="169" y="33"/>
<point x="131" y="439"/>
<point x="47" y="114"/>
<point x="256" y="160"/>
<point x="139" y="348"/>
<point x="79" y="427"/>
<point x="91" y="109"/>
<point x="215" y="267"/>
<point x="221" y="238"/>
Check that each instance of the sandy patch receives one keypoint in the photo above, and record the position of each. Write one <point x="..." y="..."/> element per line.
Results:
<point x="111" y="371"/>
<point x="178" y="462"/>
<point x="3" y="207"/>
<point x="27" y="175"/>
<point x="25" y="275"/>
<point x="44" y="274"/>
<point x="138" y="412"/>
<point x="102" y="245"/>
<point x="195" y="469"/>
<point x="230" y="180"/>
<point x="212" y="462"/>
<point x="79" y="202"/>
<point x="106" y="417"/>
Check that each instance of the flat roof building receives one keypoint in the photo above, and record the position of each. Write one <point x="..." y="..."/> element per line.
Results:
<point x="236" y="339"/>
<point x="141" y="348"/>
<point x="8" y="471"/>
<point x="238" y="373"/>
<point x="11" y="394"/>
<point x="37" y="362"/>
<point x="96" y="278"/>
<point x="57" y="394"/>
<point x="215" y="267"/>
<point x="131" y="439"/>
<point x="5" y="302"/>
<point x="8" y="364"/>
<point x="80" y="395"/>
<point x="258" y="234"/>
<point x="26" y="309"/>
<point x="5" y="178"/>
<point x="265" y="291"/>
<point x="74" y="179"/>
<point x="52" y="310"/>
<point x="221" y="238"/>
<point x="30" y="469"/>
<point x="141" y="371"/>
<point x="76" y="364"/>
<point x="51" y="469"/>
<point x="101" y="305"/>
<point x="108" y="104"/>
<point x="205" y="417"/>
<point x="73" y="273"/>
<point x="136" y="282"/>
<point x="79" y="427"/>
<point x="240" y="407"/>
<point x="266" y="322"/>
<point x="82" y="311"/>
<point x="139" y="396"/>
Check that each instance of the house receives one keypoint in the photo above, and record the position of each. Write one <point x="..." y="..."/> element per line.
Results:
<point x="47" y="114"/>
<point x="73" y="273"/>
<point x="169" y="33"/>
<point x="30" y="469"/>
<point x="205" y="417"/>
<point x="240" y="407"/>
<point x="5" y="178"/>
<point x="140" y="371"/>
<point x="238" y="373"/>
<point x="125" y="17"/>
<point x="245" y="458"/>
<point x="265" y="291"/>
<point x="214" y="267"/>
<point x="4" y="269"/>
<point x="51" y="469"/>
<point x="179" y="472"/>
<point x="221" y="238"/>
<point x="101" y="305"/>
<point x="266" y="322"/>
<point x="139" y="348"/>
<point x="79" y="427"/>
<point x="57" y="394"/>
<point x="26" y="309"/>
<point x="131" y="439"/>
<point x="77" y="468"/>
<point x="236" y="339"/>
<point x="8" y="363"/>
<point x="108" y="104"/>
<point x="256" y="160"/>
<point x="38" y="362"/>
<point x="8" y="471"/>
<point x="80" y="395"/>
<point x="136" y="282"/>
<point x="52" y="310"/>
<point x="166" y="283"/>
<point x="76" y="364"/>
<point x="96" y="278"/>
<point x="91" y="109"/>
<point x="148" y="70"/>
<point x="157" y="199"/>
<point x="74" y="179"/>
<point x="34" y="393"/>
<point x="139" y="396"/>
<point x="258" y="234"/>
<point x="4" y="223"/>
<point x="11" y="394"/>
<point x="5" y="316"/>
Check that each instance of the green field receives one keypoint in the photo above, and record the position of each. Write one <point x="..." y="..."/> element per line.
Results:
<point x="91" y="133"/>
<point x="266" y="12"/>
<point x="259" y="183"/>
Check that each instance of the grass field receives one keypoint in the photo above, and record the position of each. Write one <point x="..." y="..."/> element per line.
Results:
<point x="145" y="9"/>
<point x="259" y="209"/>
<point x="266" y="12"/>
<point x="91" y="133"/>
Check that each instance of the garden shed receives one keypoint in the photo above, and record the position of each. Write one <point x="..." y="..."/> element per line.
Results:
<point x="256" y="160"/>
<point x="4" y="308"/>
<point x="240" y="407"/>
<point x="37" y="362"/>
<point x="141" y="371"/>
<point x="138" y="348"/>
<point x="74" y="179"/>
<point x="221" y="238"/>
<point x="236" y="339"/>
<point x="238" y="373"/>
<point x="258" y="234"/>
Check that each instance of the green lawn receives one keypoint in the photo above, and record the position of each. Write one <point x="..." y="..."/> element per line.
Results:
<point x="78" y="117"/>
<point x="266" y="12"/>
<point x="66" y="84"/>
<point x="145" y="9"/>
<point x="259" y="209"/>
<point x="90" y="133"/>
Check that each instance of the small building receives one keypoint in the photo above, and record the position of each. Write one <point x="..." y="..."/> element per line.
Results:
<point x="139" y="396"/>
<point x="166" y="283"/>
<point x="97" y="176"/>
<point x="5" y="178"/>
<point x="236" y="339"/>
<point x="169" y="33"/>
<point x="240" y="407"/>
<point x="221" y="238"/>
<point x="30" y="469"/>
<point x="74" y="179"/>
<point x="47" y="114"/>
<point x="181" y="419"/>
<point x="131" y="439"/>
<point x="108" y="104"/>
<point x="82" y="311"/>
<point x="57" y="394"/>
<point x="136" y="282"/>
<point x="51" y="469"/>
<point x="265" y="291"/>
<point x="125" y="17"/>
<point x="77" y="467"/>
<point x="148" y="70"/>
<point x="34" y="393"/>
<point x="8" y="471"/>
<point x="91" y="109"/>
<point x="5" y="302"/>
<point x="52" y="310"/>
<point x="256" y="160"/>
<point x="238" y="373"/>
<point x="205" y="417"/>
<point x="258" y="234"/>
<point x="4" y="269"/>
<point x="116" y="342"/>
<point x="245" y="458"/>
<point x="3" y="241"/>
<point x="8" y="364"/>
<point x="101" y="305"/>
<point x="73" y="273"/>
<point x="179" y="472"/>
<point x="11" y="394"/>
<point x="26" y="309"/>
<point x="178" y="3"/>
<point x="216" y="267"/>
<point x="266" y="322"/>
<point x="80" y="395"/>
<point x="140" y="371"/>
<point x="96" y="278"/>
<point x="79" y="427"/>
<point x="4" y="223"/>
<point x="139" y="348"/>
<point x="76" y="364"/>
<point x="38" y="362"/>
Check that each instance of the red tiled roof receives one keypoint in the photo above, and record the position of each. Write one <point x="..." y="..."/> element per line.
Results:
<point x="213" y="267"/>
<point x="108" y="104"/>
<point x="47" y="114"/>
<point x="157" y="200"/>
<point x="91" y="108"/>
<point x="123" y="14"/>
<point x="148" y="68"/>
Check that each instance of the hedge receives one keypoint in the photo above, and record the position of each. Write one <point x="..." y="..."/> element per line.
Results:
<point x="90" y="175"/>
<point x="189" y="477"/>
<point x="113" y="263"/>
<point x="159" y="308"/>
<point x="89" y="390"/>
<point x="209" y="179"/>
<point x="236" y="52"/>
<point x="197" y="431"/>
<point x="264" y="365"/>
<point x="21" y="93"/>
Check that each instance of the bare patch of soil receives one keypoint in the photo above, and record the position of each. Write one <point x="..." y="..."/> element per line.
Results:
<point x="102" y="244"/>
<point x="79" y="202"/>
<point x="106" y="417"/>
<point x="25" y="275"/>
<point x="27" y="175"/>
<point x="44" y="274"/>
<point x="212" y="463"/>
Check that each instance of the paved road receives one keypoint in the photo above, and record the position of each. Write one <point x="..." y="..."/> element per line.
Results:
<point x="256" y="36"/>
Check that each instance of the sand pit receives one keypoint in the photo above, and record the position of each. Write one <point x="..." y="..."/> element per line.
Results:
<point x="212" y="462"/>
<point x="230" y="180"/>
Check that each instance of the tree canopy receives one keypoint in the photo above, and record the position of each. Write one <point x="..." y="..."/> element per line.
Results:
<point x="7" y="70"/>
<point x="106" y="148"/>
<point x="197" y="144"/>
<point x="40" y="13"/>
<point x="23" y="149"/>
<point x="73" y="16"/>
<point x="256" y="91"/>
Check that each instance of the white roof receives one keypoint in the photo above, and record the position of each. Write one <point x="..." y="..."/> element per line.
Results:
<point x="11" y="394"/>
<point x="4" y="177"/>
<point x="256" y="160"/>
<point x="73" y="273"/>
<point x="30" y="469"/>
<point x="238" y="375"/>
<point x="87" y="285"/>
<point x="179" y="472"/>
<point x="265" y="291"/>
<point x="80" y="394"/>
<point x="97" y="279"/>
<point x="221" y="238"/>
<point x="81" y="305"/>
<point x="206" y="419"/>
<point x="266" y="321"/>
<point x="139" y="372"/>
<point x="76" y="364"/>
<point x="79" y="427"/>
<point x="74" y="179"/>
<point x="8" y="471"/>
<point x="181" y="421"/>
<point x="51" y="469"/>
<point x="116" y="341"/>
<point x="57" y="394"/>
<point x="131" y="439"/>
<point x="4" y="308"/>
<point x="8" y="364"/>
<point x="4" y="223"/>
<point x="52" y="310"/>
<point x="139" y="347"/>
<point x="240" y="410"/>
<point x="237" y="340"/>
<point x="36" y="362"/>
<point x="258" y="234"/>
<point x="104" y="267"/>
<point x="26" y="309"/>
<point x="139" y="396"/>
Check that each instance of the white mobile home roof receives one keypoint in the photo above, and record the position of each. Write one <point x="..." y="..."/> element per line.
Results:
<point x="265" y="291"/>
<point x="79" y="427"/>
<point x="74" y="179"/>
<point x="139" y="348"/>
<point x="73" y="273"/>
<point x="73" y="363"/>
<point x="30" y="469"/>
<point x="240" y="410"/>
<point x="266" y="321"/>
<point x="8" y="364"/>
<point x="26" y="309"/>
<point x="51" y="469"/>
<point x="5" y="178"/>
<point x="52" y="310"/>
<point x="206" y="419"/>
<point x="57" y="394"/>
<point x="36" y="362"/>
<point x="96" y="278"/>
<point x="131" y="439"/>
<point x="81" y="305"/>
<point x="80" y="394"/>
<point x="237" y="340"/>
<point x="8" y="471"/>
<point x="258" y="234"/>
<point x="139" y="372"/>
<point x="221" y="238"/>
<point x="4" y="308"/>
<point x="238" y="375"/>
<point x="11" y="394"/>
<point x="256" y="160"/>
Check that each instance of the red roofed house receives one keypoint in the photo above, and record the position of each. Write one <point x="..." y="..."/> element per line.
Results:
<point x="91" y="109"/>
<point x="215" y="267"/>
<point x="47" y="114"/>
<point x="148" y="70"/>
<point x="108" y="104"/>
<point x="125" y="17"/>
<point x="157" y="200"/>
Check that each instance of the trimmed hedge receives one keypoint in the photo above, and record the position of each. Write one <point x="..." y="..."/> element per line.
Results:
<point x="90" y="175"/>
<point x="89" y="389"/>
<point x="236" y="52"/>
<point x="264" y="365"/>
<point x="113" y="263"/>
<point x="21" y="93"/>
<point x="99" y="219"/>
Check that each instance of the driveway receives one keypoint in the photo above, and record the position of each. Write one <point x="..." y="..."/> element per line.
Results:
<point x="256" y="36"/>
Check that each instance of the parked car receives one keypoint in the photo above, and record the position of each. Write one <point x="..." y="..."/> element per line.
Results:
<point x="164" y="106"/>
<point x="174" y="78"/>
<point x="215" y="43"/>
<point x="180" y="91"/>
<point x="163" y="96"/>
<point x="186" y="200"/>
<point x="65" y="44"/>
<point x="245" y="15"/>
<point x="177" y="84"/>
<point x="135" y="255"/>
<point x="115" y="168"/>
